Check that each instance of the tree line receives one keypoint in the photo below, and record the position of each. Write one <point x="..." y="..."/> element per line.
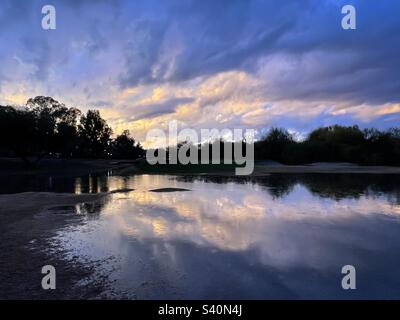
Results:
<point x="46" y="127"/>
<point x="332" y="144"/>
<point x="327" y="144"/>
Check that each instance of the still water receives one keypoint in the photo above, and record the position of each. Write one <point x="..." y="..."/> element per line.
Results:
<point x="281" y="236"/>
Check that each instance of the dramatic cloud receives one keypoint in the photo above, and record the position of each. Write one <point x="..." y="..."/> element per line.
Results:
<point x="236" y="63"/>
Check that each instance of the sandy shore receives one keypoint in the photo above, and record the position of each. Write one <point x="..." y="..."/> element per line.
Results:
<point x="79" y="167"/>
<point x="61" y="167"/>
<point x="261" y="169"/>
<point x="26" y="224"/>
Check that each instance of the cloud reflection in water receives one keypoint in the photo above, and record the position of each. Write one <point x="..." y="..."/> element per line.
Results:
<point x="234" y="229"/>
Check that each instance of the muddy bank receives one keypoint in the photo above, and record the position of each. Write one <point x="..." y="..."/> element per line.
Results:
<point x="261" y="169"/>
<point x="169" y="190"/>
<point x="80" y="167"/>
<point x="27" y="221"/>
<point x="61" y="167"/>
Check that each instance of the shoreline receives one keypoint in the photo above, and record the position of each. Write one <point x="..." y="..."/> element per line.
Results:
<point x="81" y="167"/>
<point x="61" y="167"/>
<point x="27" y="223"/>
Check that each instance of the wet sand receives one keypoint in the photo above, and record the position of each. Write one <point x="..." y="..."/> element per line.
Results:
<point x="26" y="223"/>
<point x="77" y="167"/>
<point x="169" y="190"/>
<point x="61" y="167"/>
<point x="261" y="168"/>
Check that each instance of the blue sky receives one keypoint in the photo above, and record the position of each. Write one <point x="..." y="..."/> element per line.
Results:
<point x="208" y="64"/>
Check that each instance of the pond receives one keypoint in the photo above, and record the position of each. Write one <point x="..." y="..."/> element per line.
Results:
<point x="275" y="237"/>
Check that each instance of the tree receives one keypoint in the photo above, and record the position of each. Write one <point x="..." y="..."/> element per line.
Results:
<point x="46" y="127"/>
<point x="125" y="147"/>
<point x="7" y="127"/>
<point x="56" y="125"/>
<point x="66" y="138"/>
<point x="273" y="145"/>
<point x="18" y="133"/>
<point x="338" y="135"/>
<point x="94" y="135"/>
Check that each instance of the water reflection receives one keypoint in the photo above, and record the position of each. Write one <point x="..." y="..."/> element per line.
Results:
<point x="335" y="186"/>
<point x="276" y="237"/>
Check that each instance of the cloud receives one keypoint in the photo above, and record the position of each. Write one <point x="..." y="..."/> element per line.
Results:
<point x="153" y="110"/>
<point x="207" y="63"/>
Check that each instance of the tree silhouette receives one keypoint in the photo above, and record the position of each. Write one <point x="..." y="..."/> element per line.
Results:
<point x="125" y="147"/>
<point x="56" y="125"/>
<point x="47" y="128"/>
<point x="94" y="135"/>
<point x="274" y="145"/>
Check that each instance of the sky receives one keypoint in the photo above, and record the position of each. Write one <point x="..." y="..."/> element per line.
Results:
<point x="247" y="64"/>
